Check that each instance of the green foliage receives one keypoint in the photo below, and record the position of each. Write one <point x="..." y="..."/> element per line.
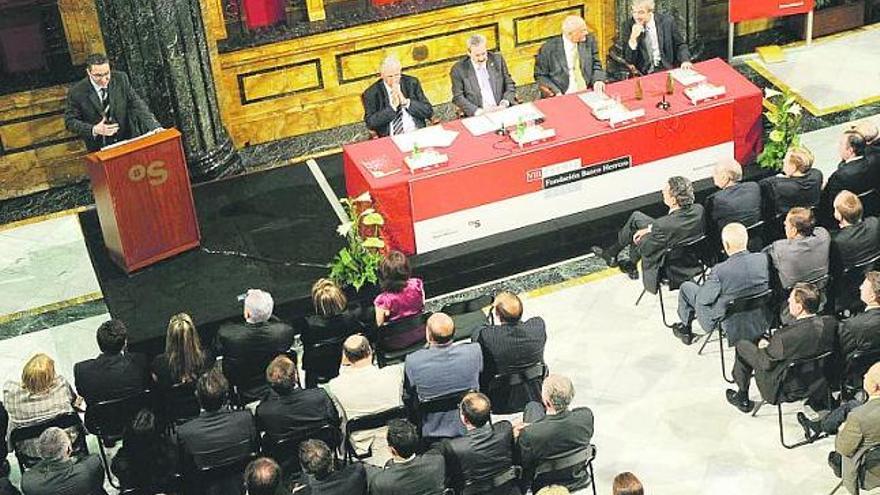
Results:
<point x="785" y="115"/>
<point x="357" y="264"/>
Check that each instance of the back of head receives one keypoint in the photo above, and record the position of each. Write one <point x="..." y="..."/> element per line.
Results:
<point x="873" y="280"/>
<point x="183" y="349"/>
<point x="357" y="348"/>
<point x="734" y="237"/>
<point x="509" y="307"/>
<point x="872" y="379"/>
<point x="682" y="190"/>
<point x="328" y="298"/>
<point x="558" y="391"/>
<point x="262" y="476"/>
<point x="554" y="490"/>
<point x="855" y="141"/>
<point x="868" y="129"/>
<point x="729" y="169"/>
<point x="53" y="444"/>
<point x="281" y="374"/>
<point x="258" y="306"/>
<point x="801" y="158"/>
<point x="111" y="336"/>
<point x="212" y="389"/>
<point x="441" y="328"/>
<point x="801" y="220"/>
<point x="38" y="374"/>
<point x="627" y="484"/>
<point x="315" y="458"/>
<point x="394" y="271"/>
<point x="476" y="409"/>
<point x="848" y="206"/>
<point x="403" y="437"/>
<point x="807" y="295"/>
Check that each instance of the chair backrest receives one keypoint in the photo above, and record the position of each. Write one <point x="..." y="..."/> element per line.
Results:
<point x="862" y="266"/>
<point x="743" y="304"/>
<point x="567" y="460"/>
<point x="63" y="421"/>
<point x="285" y="450"/>
<point x="510" y="392"/>
<point x="491" y="482"/>
<point x="802" y="378"/>
<point x="857" y="365"/>
<point x="870" y="459"/>
<point x="320" y="358"/>
<point x="687" y="257"/>
<point x="180" y="402"/>
<point x="370" y="422"/>
<point x="402" y="333"/>
<point x="441" y="403"/>
<point x="107" y="419"/>
<point x="756" y="236"/>
<point x="468" y="305"/>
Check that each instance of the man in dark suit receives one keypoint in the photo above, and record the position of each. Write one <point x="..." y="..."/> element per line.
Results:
<point x="481" y="81"/>
<point x="648" y="238"/>
<point x="484" y="456"/>
<point x="854" y="173"/>
<point x="808" y="336"/>
<point x="247" y="348"/>
<point x="322" y="477"/>
<point x="262" y="476"/>
<point x="395" y="104"/>
<point x="736" y="201"/>
<point x="741" y="274"/>
<point x="804" y="253"/>
<point x="861" y="332"/>
<point x="104" y="108"/>
<point x="439" y="370"/>
<point x="569" y="63"/>
<point x="868" y="129"/>
<point x="857" y="241"/>
<point x="655" y="43"/>
<point x="408" y="473"/>
<point x="513" y="345"/>
<point x="59" y="474"/>
<point x="799" y="184"/>
<point x="552" y="431"/>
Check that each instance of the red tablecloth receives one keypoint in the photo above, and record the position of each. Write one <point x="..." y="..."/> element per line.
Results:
<point x="490" y="186"/>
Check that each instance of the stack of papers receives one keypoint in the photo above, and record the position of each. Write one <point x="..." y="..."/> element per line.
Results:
<point x="688" y="77"/>
<point x="429" y="137"/>
<point x="499" y="119"/>
<point x="596" y="100"/>
<point x="703" y="92"/>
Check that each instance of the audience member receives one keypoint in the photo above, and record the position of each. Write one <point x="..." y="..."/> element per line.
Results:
<point x="439" y="370"/>
<point x="481" y="81"/>
<point x="408" y="473"/>
<point x="736" y="201"/>
<point x="115" y="373"/>
<point x="509" y="346"/>
<point x="741" y="274"/>
<point x="361" y="389"/>
<point x="808" y="336"/>
<point x="858" y="239"/>
<point x="626" y="483"/>
<point x="41" y="395"/>
<point x="570" y="63"/>
<point x="402" y="294"/>
<point x="396" y="103"/>
<point x="554" y="490"/>
<point x="262" y="476"/>
<point x="184" y="359"/>
<point x="6" y="487"/>
<point x="60" y="474"/>
<point x="248" y="347"/>
<point x="868" y="129"/>
<point x="799" y="184"/>
<point x="859" y="432"/>
<point x="854" y="174"/>
<point x="324" y="332"/>
<point x="861" y="332"/>
<point x="147" y="460"/>
<point x="648" y="238"/>
<point x="322" y="477"/>
<point x="550" y="430"/>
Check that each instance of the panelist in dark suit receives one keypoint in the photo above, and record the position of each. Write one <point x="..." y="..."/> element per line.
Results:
<point x="741" y="274"/>
<point x="58" y="473"/>
<point x="648" y="238"/>
<point x="737" y="201"/>
<point x="655" y="43"/>
<point x="569" y="63"/>
<point x="861" y="332"/>
<point x="408" y="473"/>
<point x="552" y="430"/>
<point x="808" y="336"/>
<point x="854" y="173"/>
<point x="104" y="108"/>
<point x="115" y="373"/>
<point x="395" y="103"/>
<point x="323" y="478"/>
<point x="481" y="81"/>
<point x="799" y="184"/>
<point x="484" y="456"/>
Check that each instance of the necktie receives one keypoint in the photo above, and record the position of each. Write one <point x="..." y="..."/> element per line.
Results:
<point x="579" y="82"/>
<point x="103" y="99"/>
<point x="653" y="44"/>
<point x="397" y="123"/>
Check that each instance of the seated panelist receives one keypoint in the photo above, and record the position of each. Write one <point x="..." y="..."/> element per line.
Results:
<point x="655" y="43"/>
<point x="395" y="103"/>
<point x="569" y="63"/>
<point x="481" y="81"/>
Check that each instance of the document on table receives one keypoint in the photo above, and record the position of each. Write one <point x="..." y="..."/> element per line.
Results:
<point x="526" y="112"/>
<point x="687" y="77"/>
<point x="479" y="125"/>
<point x="429" y="137"/>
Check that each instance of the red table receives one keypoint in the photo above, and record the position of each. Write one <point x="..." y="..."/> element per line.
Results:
<point x="490" y="186"/>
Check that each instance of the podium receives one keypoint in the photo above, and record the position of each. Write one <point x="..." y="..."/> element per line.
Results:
<point x="144" y="199"/>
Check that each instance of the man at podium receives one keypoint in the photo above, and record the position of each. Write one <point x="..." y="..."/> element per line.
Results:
<point x="103" y="108"/>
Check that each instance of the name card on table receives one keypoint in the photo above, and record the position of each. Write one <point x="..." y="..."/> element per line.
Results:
<point x="531" y="134"/>
<point x="425" y="159"/>
<point x="703" y="92"/>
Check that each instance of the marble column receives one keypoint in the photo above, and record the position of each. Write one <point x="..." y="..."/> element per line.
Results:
<point x="162" y="45"/>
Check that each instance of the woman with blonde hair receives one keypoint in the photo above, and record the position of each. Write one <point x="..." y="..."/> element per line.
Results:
<point x="41" y="395"/>
<point x="184" y="358"/>
<point x="325" y="331"/>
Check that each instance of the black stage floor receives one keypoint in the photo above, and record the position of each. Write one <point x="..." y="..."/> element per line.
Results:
<point x="281" y="215"/>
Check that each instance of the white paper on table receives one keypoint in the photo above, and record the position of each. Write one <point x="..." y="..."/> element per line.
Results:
<point x="526" y="112"/>
<point x="434" y="136"/>
<point x="479" y="125"/>
<point x="687" y="77"/>
<point x="596" y="100"/>
<point x="704" y="91"/>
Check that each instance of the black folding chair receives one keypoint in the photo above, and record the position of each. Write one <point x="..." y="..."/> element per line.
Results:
<point x="285" y="450"/>
<point x="32" y="432"/>
<point x="800" y="380"/>
<point x="369" y="422"/>
<point x="510" y="392"/>
<point x="870" y="459"/>
<point x="553" y="471"/>
<point x="739" y="305"/>
<point x="687" y="256"/>
<point x="400" y="337"/>
<point x="488" y="484"/>
<point x="318" y="361"/>
<point x="108" y="419"/>
<point x="441" y="403"/>
<point x="179" y="403"/>
<point x="756" y="236"/>
<point x="854" y="371"/>
<point x="219" y="472"/>
<point x="846" y="286"/>
<point x="468" y="315"/>
<point x="172" y="485"/>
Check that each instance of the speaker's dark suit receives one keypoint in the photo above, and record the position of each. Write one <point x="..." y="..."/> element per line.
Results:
<point x="424" y="475"/>
<point x="378" y="113"/>
<point x="860" y="333"/>
<point x="805" y="338"/>
<point x="84" y="110"/>
<point x="466" y="92"/>
<point x="550" y="438"/>
<point x="247" y="349"/>
<point x="551" y="65"/>
<point x="68" y="477"/>
<point x="480" y="455"/>
<point x="856" y="176"/>
<point x="673" y="47"/>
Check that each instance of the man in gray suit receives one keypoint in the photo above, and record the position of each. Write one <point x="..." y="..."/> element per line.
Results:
<point x="481" y="81"/>
<point x="741" y="274"/>
<point x="860" y="432"/>
<point x="569" y="63"/>
<point x="59" y="474"/>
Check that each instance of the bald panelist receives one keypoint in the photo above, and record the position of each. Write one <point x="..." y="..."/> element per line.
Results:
<point x="395" y="104"/>
<point x="480" y="81"/>
<point x="569" y="63"/>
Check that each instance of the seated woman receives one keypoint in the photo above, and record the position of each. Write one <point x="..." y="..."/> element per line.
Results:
<point x="184" y="361"/>
<point x="402" y="295"/>
<point x="41" y="395"/>
<point x="146" y="460"/>
<point x="325" y="331"/>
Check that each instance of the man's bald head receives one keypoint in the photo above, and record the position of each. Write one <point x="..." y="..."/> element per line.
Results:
<point x="871" y="382"/>
<point x="440" y="328"/>
<point x="508" y="307"/>
<point x="734" y="238"/>
<point x="575" y="29"/>
<point x="356" y="348"/>
<point x="868" y="129"/>
<point x="727" y="173"/>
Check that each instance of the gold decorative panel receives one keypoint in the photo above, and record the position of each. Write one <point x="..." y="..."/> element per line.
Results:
<point x="276" y="82"/>
<point x="537" y="28"/>
<point x="81" y="28"/>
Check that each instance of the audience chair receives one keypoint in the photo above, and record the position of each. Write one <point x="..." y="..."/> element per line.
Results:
<point x="248" y="371"/>
<point x="800" y="380"/>
<point x="870" y="201"/>
<point x="442" y="403"/>
<point x="756" y="236"/>
<point x="398" y="338"/>
<point x="216" y="472"/>
<point x="492" y="482"/>
<point x="179" y="403"/>
<point x="326" y="351"/>
<point x="869" y="459"/>
<point x="63" y="421"/>
<point x="174" y="485"/>
<point x="846" y="286"/>
<point x="551" y="471"/>
<point x="108" y="419"/>
<point x="285" y="450"/>
<point x="468" y="315"/>
<point x="854" y="371"/>
<point x="687" y="257"/>
<point x="510" y="392"/>
<point x="369" y="422"/>
<point x="762" y="300"/>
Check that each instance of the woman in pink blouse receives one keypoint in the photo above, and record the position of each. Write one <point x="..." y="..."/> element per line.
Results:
<point x="402" y="295"/>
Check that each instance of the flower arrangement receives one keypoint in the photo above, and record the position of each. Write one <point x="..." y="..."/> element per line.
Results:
<point x="357" y="263"/>
<point x="785" y="115"/>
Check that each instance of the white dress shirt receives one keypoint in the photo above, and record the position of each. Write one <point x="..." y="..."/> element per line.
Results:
<point x="570" y="50"/>
<point x="486" y="92"/>
<point x="653" y="41"/>
<point x="408" y="123"/>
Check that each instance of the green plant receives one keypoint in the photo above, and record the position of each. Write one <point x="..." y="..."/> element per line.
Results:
<point x="357" y="263"/>
<point x="785" y="116"/>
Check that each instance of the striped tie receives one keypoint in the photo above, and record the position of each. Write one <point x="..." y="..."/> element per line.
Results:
<point x="103" y="99"/>
<point x="397" y="123"/>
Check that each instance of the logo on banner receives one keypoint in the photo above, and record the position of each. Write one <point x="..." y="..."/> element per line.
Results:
<point x="156" y="173"/>
<point x="594" y="170"/>
<point x="475" y="224"/>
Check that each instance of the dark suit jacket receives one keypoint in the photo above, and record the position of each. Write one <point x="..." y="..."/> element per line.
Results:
<point x="126" y="107"/>
<point x="349" y="480"/>
<point x="280" y="415"/>
<point x="802" y="258"/>
<point x="860" y="333"/>
<point x="667" y="231"/>
<point x="323" y="361"/>
<point x="479" y="455"/>
<point x="69" y="477"/>
<point x="673" y="47"/>
<point x="247" y="350"/>
<point x="378" y="113"/>
<point x="466" y="88"/>
<point x="856" y="177"/>
<point x="111" y="376"/>
<point x="218" y="435"/>
<point x="506" y="348"/>
<point x="551" y="66"/>
<point x="550" y="438"/>
<point x="781" y="193"/>
<point x="424" y="475"/>
<point x="740" y="202"/>
<point x="855" y="243"/>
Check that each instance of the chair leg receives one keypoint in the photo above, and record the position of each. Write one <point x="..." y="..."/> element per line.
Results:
<point x="836" y="488"/>
<point x="782" y="431"/>
<point x="106" y="462"/>
<point x="721" y="352"/>
<point x="592" y="477"/>
<point x="662" y="306"/>
<point x="706" y="341"/>
<point x="641" y="296"/>
<point x="758" y="408"/>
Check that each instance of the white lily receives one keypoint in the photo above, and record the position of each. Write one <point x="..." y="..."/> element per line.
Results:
<point x="770" y="93"/>
<point x="344" y="228"/>
<point x="364" y="198"/>
<point x="795" y="109"/>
